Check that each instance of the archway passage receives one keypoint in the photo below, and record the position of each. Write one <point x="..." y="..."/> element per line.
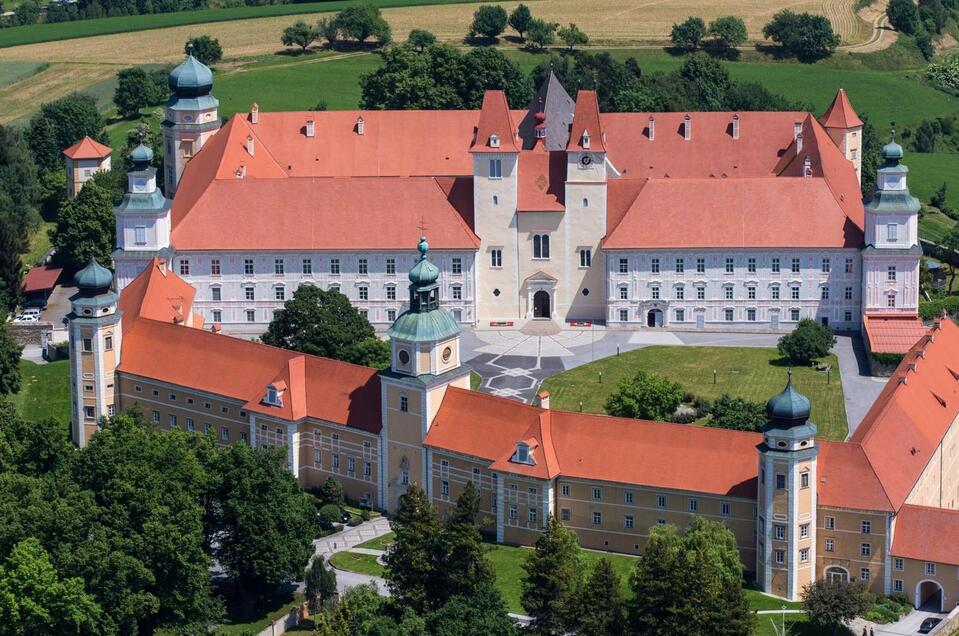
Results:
<point x="929" y="596"/>
<point x="835" y="573"/>
<point x="654" y="318"/>
<point x="541" y="305"/>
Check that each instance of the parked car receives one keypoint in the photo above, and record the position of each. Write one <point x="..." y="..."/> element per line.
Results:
<point x="928" y="625"/>
<point x="31" y="311"/>
<point x="22" y="317"/>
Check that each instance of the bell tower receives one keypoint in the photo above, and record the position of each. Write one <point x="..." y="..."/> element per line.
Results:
<point x="786" y="528"/>
<point x="95" y="338"/>
<point x="191" y="118"/>
<point x="425" y="360"/>
<point x="844" y="127"/>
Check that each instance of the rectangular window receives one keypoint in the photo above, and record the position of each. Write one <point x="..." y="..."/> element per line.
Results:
<point x="598" y="494"/>
<point x="680" y="293"/>
<point x="496" y="258"/>
<point x="565" y="514"/>
<point x="892" y="232"/>
<point x="700" y="293"/>
<point x="335" y="460"/>
<point x="585" y="258"/>
<point x="824" y="292"/>
<point x="541" y="246"/>
<point x="780" y="533"/>
<point x="308" y="266"/>
<point x="826" y="265"/>
<point x="898" y="564"/>
<point x="565" y="490"/>
<point x="350" y="465"/>
<point x="795" y="266"/>
<point x="774" y="292"/>
<point x="495" y="168"/>
<point x="367" y="469"/>
<point x="250" y="315"/>
<point x="804" y="555"/>
<point x="334" y="266"/>
<point x="866" y="527"/>
<point x="628" y="497"/>
<point x="864" y="574"/>
<point x="729" y="315"/>
<point x="628" y="522"/>
<point x="531" y="515"/>
<point x="794" y="314"/>
<point x="316" y="456"/>
<point x="830" y="545"/>
<point x="391" y="315"/>
<point x="930" y="569"/>
<point x="224" y="434"/>
<point x="513" y="513"/>
<point x="279" y="292"/>
<point x="404" y="403"/>
<point x="794" y="293"/>
<point x="623" y="266"/>
<point x="155" y="416"/>
<point x="456" y="265"/>
<point x="184" y="268"/>
<point x="780" y="557"/>
<point x="364" y="292"/>
<point x="700" y="265"/>
<point x="891" y="301"/>
<point x="751" y="315"/>
<point x="445" y="488"/>
<point x="680" y="315"/>
<point x="865" y="549"/>
<point x="140" y="235"/>
<point x="891" y="273"/>
<point x="775" y="265"/>
<point x="728" y="292"/>
<point x="849" y="266"/>
<point x="693" y="505"/>
<point x="780" y="481"/>
<point x="680" y="266"/>
<point x="391" y="266"/>
<point x="897" y="585"/>
<point x="730" y="267"/>
<point x="457" y="292"/>
<point x="279" y="266"/>
<point x="248" y="266"/>
<point x="847" y="294"/>
<point x="108" y="343"/>
<point x="624" y="293"/>
<point x="190" y="425"/>
<point x="215" y="294"/>
<point x="655" y="292"/>
<point x="623" y="315"/>
<point x="804" y="479"/>
<point x="390" y="292"/>
<point x="249" y="293"/>
<point x="724" y="509"/>
<point x="217" y="315"/>
<point x="804" y="531"/>
<point x="597" y="518"/>
<point x="654" y="266"/>
<point x="661" y="501"/>
<point x="362" y="266"/>
<point x="751" y="265"/>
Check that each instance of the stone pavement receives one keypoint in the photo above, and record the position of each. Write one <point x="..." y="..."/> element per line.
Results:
<point x="907" y="625"/>
<point x="347" y="539"/>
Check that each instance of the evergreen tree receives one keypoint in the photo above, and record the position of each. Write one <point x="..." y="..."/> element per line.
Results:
<point x="871" y="156"/>
<point x="331" y="492"/>
<point x="320" y="584"/>
<point x="461" y="566"/>
<point x="11" y="269"/>
<point x="410" y="562"/>
<point x="601" y="608"/>
<point x="483" y="613"/>
<point x="10" y="351"/>
<point x="86" y="228"/>
<point x="553" y="578"/>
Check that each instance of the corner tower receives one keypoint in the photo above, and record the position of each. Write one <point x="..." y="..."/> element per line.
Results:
<point x="786" y="529"/>
<point x="425" y="359"/>
<point x="844" y="127"/>
<point x="95" y="338"/>
<point x="142" y="220"/>
<point x="191" y="118"/>
<point x="890" y="260"/>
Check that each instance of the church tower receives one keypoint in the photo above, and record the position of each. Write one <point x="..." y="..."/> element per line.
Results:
<point x="890" y="259"/>
<point x="191" y="118"/>
<point x="786" y="530"/>
<point x="142" y="220"/>
<point x="425" y="359"/>
<point x="95" y="338"/>
<point x="844" y="127"/>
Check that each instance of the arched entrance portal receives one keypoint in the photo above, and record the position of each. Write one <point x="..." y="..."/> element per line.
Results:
<point x="929" y="596"/>
<point x="541" y="304"/>
<point x="836" y="573"/>
<point x="654" y="318"/>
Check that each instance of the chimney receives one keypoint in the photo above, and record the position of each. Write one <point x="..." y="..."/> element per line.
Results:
<point x="797" y="129"/>
<point x="798" y="143"/>
<point x="735" y="126"/>
<point x="360" y="125"/>
<point x="585" y="141"/>
<point x="310" y="128"/>
<point x="161" y="265"/>
<point x="651" y="126"/>
<point x="249" y="144"/>
<point x="807" y="167"/>
<point x="241" y="171"/>
<point x="687" y="128"/>
<point x="544" y="400"/>
<point x="255" y="113"/>
<point x="216" y="327"/>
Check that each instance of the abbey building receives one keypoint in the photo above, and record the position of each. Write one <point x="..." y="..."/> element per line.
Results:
<point x="716" y="220"/>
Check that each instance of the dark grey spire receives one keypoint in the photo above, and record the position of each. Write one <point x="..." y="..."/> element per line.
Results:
<point x="555" y="103"/>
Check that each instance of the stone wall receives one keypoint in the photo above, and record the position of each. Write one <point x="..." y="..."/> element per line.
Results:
<point x="30" y="333"/>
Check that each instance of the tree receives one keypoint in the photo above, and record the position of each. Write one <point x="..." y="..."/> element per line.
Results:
<point x="205" y="49"/>
<point x="61" y="123"/>
<point x="11" y="269"/>
<point x="807" y="37"/>
<point x="903" y="16"/>
<point x="262" y="527"/>
<point x="362" y="22"/>
<point x="708" y="78"/>
<point x="645" y="396"/>
<point x="10" y="351"/>
<point x="689" y="583"/>
<point x="461" y="567"/>
<point x="871" y="155"/>
<point x="601" y="607"/>
<point x="808" y="341"/>
<point x="410" y="562"/>
<point x="86" y="228"/>
<point x="328" y="29"/>
<point x="832" y="603"/>
<point x="135" y="90"/>
<point x="318" y="322"/>
<point x="320" y="584"/>
<point x="737" y="414"/>
<point x="331" y="492"/>
<point x="553" y="577"/>
<point x="727" y="32"/>
<point x="925" y="45"/>
<point x="571" y="36"/>
<point x="520" y="19"/>
<point x="34" y="599"/>
<point x="421" y="39"/>
<point x="371" y="352"/>
<point x="299" y="34"/>
<point x="951" y="242"/>
<point x="483" y="613"/>
<point x="541" y="33"/>
<point x="35" y="448"/>
<point x="689" y="34"/>
<point x="489" y="21"/>
<point x="487" y="68"/>
<point x="26" y="13"/>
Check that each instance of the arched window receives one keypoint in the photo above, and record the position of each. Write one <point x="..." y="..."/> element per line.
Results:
<point x="541" y="246"/>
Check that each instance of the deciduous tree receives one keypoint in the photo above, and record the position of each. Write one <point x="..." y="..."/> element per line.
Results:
<point x="61" y="123"/>
<point x="205" y="49"/>
<point x="726" y="33"/>
<point x="86" y="228"/>
<point x="572" y="36"/>
<point x="541" y="33"/>
<point x="520" y="19"/>
<point x="362" y="22"/>
<point x="688" y="35"/>
<point x="645" y="396"/>
<point x="832" y="603"/>
<point x="489" y="21"/>
<point x="135" y="90"/>
<point x="805" y="36"/>
<point x="737" y="414"/>
<point x="299" y="34"/>
<point x="421" y="39"/>
<point x="808" y="341"/>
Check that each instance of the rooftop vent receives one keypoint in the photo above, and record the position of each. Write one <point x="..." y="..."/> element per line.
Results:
<point x="249" y="144"/>
<point x="310" y="128"/>
<point x="585" y="140"/>
<point x="360" y="125"/>
<point x="735" y="126"/>
<point x="687" y="128"/>
<point x="255" y="113"/>
<point x="651" y="127"/>
<point x="494" y="141"/>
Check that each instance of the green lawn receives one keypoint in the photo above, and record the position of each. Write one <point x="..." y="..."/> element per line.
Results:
<point x="759" y="601"/>
<point x="356" y="562"/>
<point x="796" y="624"/>
<point x="928" y="171"/>
<point x="44" y="391"/>
<point x="234" y="625"/>
<point x="39" y="244"/>
<point x="934" y="225"/>
<point x="751" y="373"/>
<point x="475" y="380"/>
<point x="379" y="543"/>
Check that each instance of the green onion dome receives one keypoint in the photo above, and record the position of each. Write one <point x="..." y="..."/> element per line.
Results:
<point x="191" y="78"/>
<point x="790" y="406"/>
<point x="93" y="277"/>
<point x="424" y="272"/>
<point x="141" y="157"/>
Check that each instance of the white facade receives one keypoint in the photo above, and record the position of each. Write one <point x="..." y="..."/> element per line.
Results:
<point x="242" y="290"/>
<point x="744" y="289"/>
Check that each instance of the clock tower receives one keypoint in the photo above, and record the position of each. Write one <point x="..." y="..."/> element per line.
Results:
<point x="425" y="359"/>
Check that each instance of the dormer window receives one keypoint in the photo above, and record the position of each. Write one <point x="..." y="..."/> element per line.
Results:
<point x="494" y="141"/>
<point x="586" y="139"/>
<point x="274" y="396"/>
<point x="807" y="167"/>
<point x="360" y="126"/>
<point x="523" y="454"/>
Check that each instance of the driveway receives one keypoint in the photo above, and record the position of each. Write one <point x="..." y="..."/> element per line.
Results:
<point x="907" y="626"/>
<point x="346" y="539"/>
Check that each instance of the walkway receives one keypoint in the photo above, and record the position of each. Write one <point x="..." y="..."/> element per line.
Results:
<point x="347" y="539"/>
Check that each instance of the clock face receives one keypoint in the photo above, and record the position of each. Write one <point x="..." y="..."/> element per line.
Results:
<point x="586" y="160"/>
<point x="188" y="118"/>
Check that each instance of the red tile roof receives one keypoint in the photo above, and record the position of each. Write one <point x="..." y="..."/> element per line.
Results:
<point x="87" y="148"/>
<point x="927" y="534"/>
<point x="586" y="119"/>
<point x="918" y="405"/>
<point x="840" y="113"/>
<point x="41" y="278"/>
<point x="158" y="294"/>
<point x="892" y="333"/>
<point x="542" y="181"/>
<point x="841" y="464"/>
<point x="494" y="119"/>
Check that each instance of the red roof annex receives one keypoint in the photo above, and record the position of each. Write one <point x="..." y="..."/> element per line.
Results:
<point x="892" y="333"/>
<point x="87" y="148"/>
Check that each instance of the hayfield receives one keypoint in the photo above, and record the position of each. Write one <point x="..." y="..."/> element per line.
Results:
<point x="22" y="97"/>
<point x="606" y="22"/>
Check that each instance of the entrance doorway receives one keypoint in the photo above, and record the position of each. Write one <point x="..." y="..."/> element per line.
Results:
<point x="774" y="320"/>
<point x="836" y="573"/>
<point x="929" y="596"/>
<point x="654" y="318"/>
<point x="541" y="302"/>
<point x="700" y="320"/>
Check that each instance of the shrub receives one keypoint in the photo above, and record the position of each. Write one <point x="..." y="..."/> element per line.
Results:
<point x="685" y="417"/>
<point x="945" y="75"/>
<point x="330" y="514"/>
<point x="737" y="414"/>
<point x="354" y="521"/>
<point x="809" y="340"/>
<point x="932" y="309"/>
<point x="645" y="396"/>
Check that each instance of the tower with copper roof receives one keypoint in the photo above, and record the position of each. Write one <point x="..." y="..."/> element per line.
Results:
<point x="191" y="118"/>
<point x="786" y="496"/>
<point x="425" y="360"/>
<point x="95" y="337"/>
<point x="844" y="127"/>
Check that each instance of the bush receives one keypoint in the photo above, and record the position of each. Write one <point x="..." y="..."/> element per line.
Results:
<point x="809" y="340"/>
<point x="645" y="396"/>
<point x="354" y="521"/>
<point x="489" y="21"/>
<point x="887" y="359"/>
<point x="685" y="417"/>
<point x="329" y="515"/>
<point x="945" y="75"/>
<point x="365" y="514"/>
<point x="737" y="414"/>
<point x="702" y="406"/>
<point x="932" y="309"/>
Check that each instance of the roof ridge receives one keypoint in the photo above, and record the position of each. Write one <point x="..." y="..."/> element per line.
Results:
<point x="490" y="396"/>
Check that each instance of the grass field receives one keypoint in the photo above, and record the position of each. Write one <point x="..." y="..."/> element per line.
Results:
<point x="39" y="244"/>
<point x="356" y="562"/>
<point x="20" y="98"/>
<point x="44" y="391"/>
<point x="751" y="373"/>
<point x="235" y="626"/>
<point x="379" y="543"/>
<point x="935" y="225"/>
<point x="928" y="171"/>
<point x="12" y="72"/>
